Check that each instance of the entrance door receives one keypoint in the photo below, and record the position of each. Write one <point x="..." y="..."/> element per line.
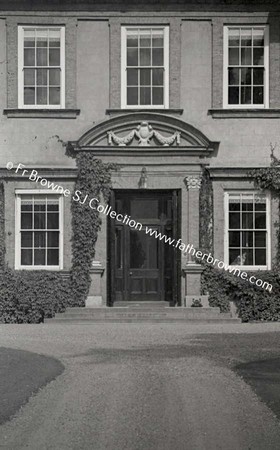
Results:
<point x="143" y="267"/>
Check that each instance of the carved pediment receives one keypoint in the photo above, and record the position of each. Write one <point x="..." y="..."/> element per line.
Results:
<point x="144" y="129"/>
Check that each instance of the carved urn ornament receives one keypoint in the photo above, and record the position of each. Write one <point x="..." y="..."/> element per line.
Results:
<point x="143" y="133"/>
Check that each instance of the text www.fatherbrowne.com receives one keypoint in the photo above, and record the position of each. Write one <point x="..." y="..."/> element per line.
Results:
<point x="95" y="203"/>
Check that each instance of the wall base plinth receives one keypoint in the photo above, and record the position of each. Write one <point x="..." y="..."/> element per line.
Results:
<point x="95" y="299"/>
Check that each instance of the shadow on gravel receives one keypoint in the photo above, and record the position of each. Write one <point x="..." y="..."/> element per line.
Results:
<point x="21" y="375"/>
<point x="264" y="377"/>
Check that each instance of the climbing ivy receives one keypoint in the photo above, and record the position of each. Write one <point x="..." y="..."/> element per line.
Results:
<point x="29" y="297"/>
<point x="2" y="225"/>
<point x="94" y="180"/>
<point x="206" y="213"/>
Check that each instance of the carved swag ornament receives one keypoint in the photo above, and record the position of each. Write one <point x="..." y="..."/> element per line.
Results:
<point x="144" y="133"/>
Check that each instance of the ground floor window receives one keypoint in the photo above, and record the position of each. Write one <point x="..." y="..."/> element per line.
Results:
<point x="38" y="230"/>
<point x="247" y="229"/>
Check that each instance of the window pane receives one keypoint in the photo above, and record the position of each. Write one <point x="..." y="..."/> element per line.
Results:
<point x="52" y="221"/>
<point x="234" y="220"/>
<point x="40" y="257"/>
<point x="39" y="239"/>
<point x="258" y="98"/>
<point x="145" y="39"/>
<point x="29" y="38"/>
<point x="26" y="257"/>
<point x="258" y="58"/>
<point x="157" y="96"/>
<point x="247" y="206"/>
<point x="40" y="206"/>
<point x="233" y="37"/>
<point x="234" y="206"/>
<point x="246" y="37"/>
<point x="260" y="256"/>
<point x="247" y="239"/>
<point x="52" y="257"/>
<point x="132" y="40"/>
<point x="157" y="77"/>
<point x="247" y="258"/>
<point x="132" y="57"/>
<point x="26" y="221"/>
<point x="29" y="96"/>
<point x="54" y="38"/>
<point x="54" y="95"/>
<point x="233" y="95"/>
<point x="39" y="221"/>
<point x="233" y="56"/>
<point x="145" y="96"/>
<point x="260" y="239"/>
<point x="246" y="56"/>
<point x="158" y="57"/>
<point x="29" y="57"/>
<point x="42" y="96"/>
<point x="132" y="77"/>
<point x="246" y="76"/>
<point x="42" y="57"/>
<point x="54" y="57"/>
<point x="258" y="76"/>
<point x="234" y="239"/>
<point x="260" y="220"/>
<point x="247" y="221"/>
<point x="42" y="38"/>
<point x="233" y="76"/>
<point x="258" y="37"/>
<point x="157" y="39"/>
<point x="246" y="95"/>
<point x="26" y="239"/>
<point x="132" y="96"/>
<point x="42" y="77"/>
<point x="234" y="257"/>
<point x="145" y="57"/>
<point x="145" y="77"/>
<point x="29" y="77"/>
<point x="53" y="239"/>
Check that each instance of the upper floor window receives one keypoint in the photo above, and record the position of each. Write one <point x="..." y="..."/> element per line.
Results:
<point x="247" y="239"/>
<point x="41" y="67"/>
<point x="145" y="67"/>
<point x="246" y="67"/>
<point x="38" y="230"/>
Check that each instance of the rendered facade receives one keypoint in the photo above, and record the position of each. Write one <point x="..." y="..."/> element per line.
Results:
<point x="164" y="90"/>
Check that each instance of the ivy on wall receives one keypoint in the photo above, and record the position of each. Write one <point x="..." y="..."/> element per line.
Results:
<point x="94" y="179"/>
<point x="206" y="213"/>
<point x="30" y="296"/>
<point x="2" y="225"/>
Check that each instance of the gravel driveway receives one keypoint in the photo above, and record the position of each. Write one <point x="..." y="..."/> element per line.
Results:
<point x="138" y="386"/>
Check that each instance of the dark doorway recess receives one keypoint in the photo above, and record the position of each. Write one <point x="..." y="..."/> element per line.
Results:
<point x="144" y="268"/>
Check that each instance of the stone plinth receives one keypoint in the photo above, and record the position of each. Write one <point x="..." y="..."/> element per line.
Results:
<point x="94" y="299"/>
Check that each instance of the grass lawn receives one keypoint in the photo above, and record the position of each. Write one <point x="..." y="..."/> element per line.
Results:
<point x="21" y="375"/>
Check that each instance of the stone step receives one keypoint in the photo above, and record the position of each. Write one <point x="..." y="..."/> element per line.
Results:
<point x="142" y="320"/>
<point x="126" y="310"/>
<point x="143" y="314"/>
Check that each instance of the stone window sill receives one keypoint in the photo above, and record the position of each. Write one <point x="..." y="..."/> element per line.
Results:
<point x="42" y="113"/>
<point x="115" y="111"/>
<point x="244" y="113"/>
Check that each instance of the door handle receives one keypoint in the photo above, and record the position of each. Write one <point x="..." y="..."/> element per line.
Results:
<point x="130" y="273"/>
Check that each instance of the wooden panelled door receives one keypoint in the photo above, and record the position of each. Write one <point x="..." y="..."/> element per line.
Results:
<point x="143" y="267"/>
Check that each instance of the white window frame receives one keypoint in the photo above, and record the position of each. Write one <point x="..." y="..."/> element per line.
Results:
<point x="18" y="194"/>
<point x="268" y="230"/>
<point x="124" y="104"/>
<point x="226" y="105"/>
<point x="21" y="104"/>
